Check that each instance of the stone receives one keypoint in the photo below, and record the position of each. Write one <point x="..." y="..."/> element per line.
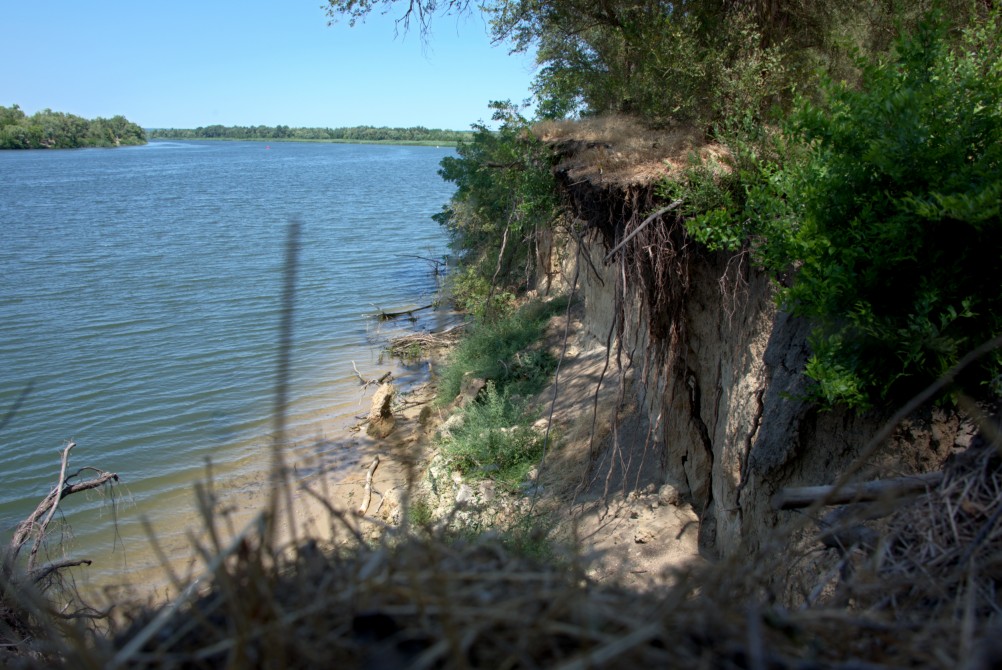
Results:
<point x="486" y="490"/>
<point x="643" y="536"/>
<point x="381" y="419"/>
<point x="470" y="389"/>
<point x="669" y="495"/>
<point x="464" y="494"/>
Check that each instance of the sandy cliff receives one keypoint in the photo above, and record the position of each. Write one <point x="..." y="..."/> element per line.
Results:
<point x="715" y="366"/>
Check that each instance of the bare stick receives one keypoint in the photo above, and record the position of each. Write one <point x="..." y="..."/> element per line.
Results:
<point x="367" y="494"/>
<point x="52" y="510"/>
<point x="42" y="573"/>
<point x="31" y="524"/>
<point x="663" y="210"/>
<point x="796" y="498"/>
<point x="367" y="382"/>
<point x="497" y="270"/>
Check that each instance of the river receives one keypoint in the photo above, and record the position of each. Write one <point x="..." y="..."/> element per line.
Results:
<point x="140" y="307"/>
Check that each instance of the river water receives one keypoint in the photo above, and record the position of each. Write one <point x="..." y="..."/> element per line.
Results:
<point x="140" y="301"/>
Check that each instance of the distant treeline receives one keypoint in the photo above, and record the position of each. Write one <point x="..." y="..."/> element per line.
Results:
<point x="355" y="134"/>
<point x="55" y="130"/>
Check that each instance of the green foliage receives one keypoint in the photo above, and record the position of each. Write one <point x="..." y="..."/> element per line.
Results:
<point x="472" y="294"/>
<point x="506" y="351"/>
<point x="54" y="130"/>
<point x="420" y="513"/>
<point x="505" y="194"/>
<point x="660" y="60"/>
<point x="495" y="438"/>
<point x="901" y="212"/>
<point x="885" y="200"/>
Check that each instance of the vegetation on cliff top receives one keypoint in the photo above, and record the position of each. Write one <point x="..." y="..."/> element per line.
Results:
<point x="886" y="198"/>
<point x="55" y="130"/>
<point x="862" y="163"/>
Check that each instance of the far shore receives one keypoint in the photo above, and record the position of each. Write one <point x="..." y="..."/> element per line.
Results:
<point x="402" y="143"/>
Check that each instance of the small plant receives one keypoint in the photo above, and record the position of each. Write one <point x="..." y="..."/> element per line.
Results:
<point x="420" y="513"/>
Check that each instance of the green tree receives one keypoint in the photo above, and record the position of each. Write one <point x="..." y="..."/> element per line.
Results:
<point x="505" y="198"/>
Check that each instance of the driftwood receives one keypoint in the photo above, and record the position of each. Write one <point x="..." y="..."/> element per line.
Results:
<point x="797" y="498"/>
<point x="400" y="346"/>
<point x="367" y="493"/>
<point x="389" y="316"/>
<point x="38" y="521"/>
<point x="368" y="382"/>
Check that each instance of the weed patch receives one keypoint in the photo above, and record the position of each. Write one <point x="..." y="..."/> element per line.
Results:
<point x="495" y="439"/>
<point x="506" y="351"/>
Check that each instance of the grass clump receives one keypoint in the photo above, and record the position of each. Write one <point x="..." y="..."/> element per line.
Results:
<point x="496" y="438"/>
<point x="506" y="351"/>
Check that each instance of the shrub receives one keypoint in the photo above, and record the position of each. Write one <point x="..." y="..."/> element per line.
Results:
<point x="902" y="235"/>
<point x="495" y="439"/>
<point x="885" y="200"/>
<point x="505" y="194"/>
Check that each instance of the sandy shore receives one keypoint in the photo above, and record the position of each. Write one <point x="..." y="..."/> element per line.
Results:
<point x="631" y="527"/>
<point x="336" y="480"/>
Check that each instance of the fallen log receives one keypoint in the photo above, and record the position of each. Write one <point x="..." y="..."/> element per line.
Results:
<point x="805" y="496"/>
<point x="367" y="492"/>
<point x="388" y="316"/>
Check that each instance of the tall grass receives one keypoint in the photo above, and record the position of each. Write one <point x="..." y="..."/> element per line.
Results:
<point x="506" y="351"/>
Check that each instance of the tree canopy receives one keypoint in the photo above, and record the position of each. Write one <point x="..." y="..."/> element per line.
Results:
<point x="56" y="130"/>
<point x="862" y="167"/>
<point x="695" y="61"/>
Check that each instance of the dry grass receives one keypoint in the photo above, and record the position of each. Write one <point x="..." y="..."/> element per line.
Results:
<point x="620" y="150"/>
<point x="424" y="599"/>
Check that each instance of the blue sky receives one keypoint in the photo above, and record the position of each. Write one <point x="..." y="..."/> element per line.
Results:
<point x="186" y="64"/>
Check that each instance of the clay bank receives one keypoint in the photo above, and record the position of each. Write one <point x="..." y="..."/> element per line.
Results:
<point x="714" y="367"/>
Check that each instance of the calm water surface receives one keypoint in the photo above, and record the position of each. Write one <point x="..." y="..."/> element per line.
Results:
<point x="140" y="301"/>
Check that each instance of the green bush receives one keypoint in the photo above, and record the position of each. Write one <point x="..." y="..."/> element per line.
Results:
<point x="505" y="194"/>
<point x="495" y="438"/>
<point x="882" y="201"/>
<point x="902" y="235"/>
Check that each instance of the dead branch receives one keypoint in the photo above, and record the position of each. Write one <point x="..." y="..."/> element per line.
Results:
<point x="42" y="573"/>
<point x="52" y="509"/>
<point x="47" y="509"/>
<point x="389" y="316"/>
<point x="368" y="382"/>
<point x="399" y="346"/>
<point x="436" y="263"/>
<point x="797" y="498"/>
<point x="497" y="270"/>
<point x="367" y="493"/>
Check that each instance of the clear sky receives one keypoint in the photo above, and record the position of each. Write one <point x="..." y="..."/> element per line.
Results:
<point x="194" y="63"/>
